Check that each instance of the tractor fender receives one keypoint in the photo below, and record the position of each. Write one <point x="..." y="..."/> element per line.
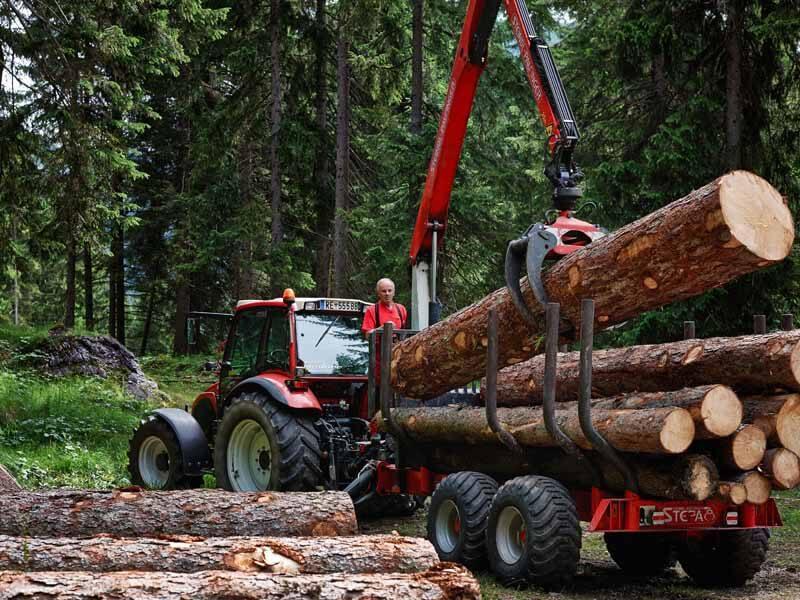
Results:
<point x="274" y="386"/>
<point x="191" y="439"/>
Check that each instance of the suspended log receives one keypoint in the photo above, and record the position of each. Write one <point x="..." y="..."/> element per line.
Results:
<point x="742" y="451"/>
<point x="654" y="430"/>
<point x="185" y="554"/>
<point x="732" y="226"/>
<point x="205" y="513"/>
<point x="688" y="476"/>
<point x="758" y="487"/>
<point x="732" y="492"/>
<point x="443" y="582"/>
<point x="7" y="481"/>
<point x="779" y="417"/>
<point x="762" y="363"/>
<point x="783" y="468"/>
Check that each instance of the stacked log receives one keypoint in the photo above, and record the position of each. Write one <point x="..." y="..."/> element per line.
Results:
<point x="209" y="544"/>
<point x="7" y="481"/>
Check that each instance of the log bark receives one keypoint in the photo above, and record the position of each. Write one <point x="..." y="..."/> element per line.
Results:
<point x="688" y="476"/>
<point x="446" y="581"/>
<point x="656" y="430"/>
<point x="783" y="468"/>
<point x="732" y="226"/>
<point x="758" y="487"/>
<point x="732" y="492"/>
<point x="206" y="513"/>
<point x="763" y="363"/>
<point x="185" y="554"/>
<point x="7" y="481"/>
<point x="715" y="409"/>
<point x="742" y="451"/>
<point x="779" y="417"/>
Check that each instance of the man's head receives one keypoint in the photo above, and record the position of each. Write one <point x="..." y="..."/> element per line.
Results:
<point x="384" y="289"/>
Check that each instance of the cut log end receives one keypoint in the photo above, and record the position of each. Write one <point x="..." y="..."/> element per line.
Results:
<point x="794" y="362"/>
<point x="747" y="447"/>
<point x="758" y="487"/>
<point x="678" y="431"/>
<point x="756" y="215"/>
<point x="788" y="425"/>
<point x="783" y="467"/>
<point x="721" y="411"/>
<point x="732" y="492"/>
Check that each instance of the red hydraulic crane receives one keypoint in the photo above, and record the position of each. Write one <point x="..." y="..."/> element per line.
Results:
<point x="566" y="233"/>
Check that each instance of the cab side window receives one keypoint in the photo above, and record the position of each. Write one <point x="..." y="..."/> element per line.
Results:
<point x="246" y="342"/>
<point x="277" y="347"/>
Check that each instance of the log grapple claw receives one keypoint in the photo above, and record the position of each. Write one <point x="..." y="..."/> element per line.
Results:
<point x="532" y="247"/>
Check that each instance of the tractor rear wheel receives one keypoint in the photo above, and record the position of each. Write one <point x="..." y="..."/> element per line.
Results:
<point x="724" y="558"/>
<point x="534" y="534"/>
<point x="261" y="446"/>
<point x="457" y="517"/>
<point x="642" y="553"/>
<point x="155" y="460"/>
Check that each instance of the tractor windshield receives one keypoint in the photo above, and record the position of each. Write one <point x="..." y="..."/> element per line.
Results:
<point x="331" y="344"/>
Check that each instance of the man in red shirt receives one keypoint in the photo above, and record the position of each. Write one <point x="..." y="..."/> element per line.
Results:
<point x="385" y="309"/>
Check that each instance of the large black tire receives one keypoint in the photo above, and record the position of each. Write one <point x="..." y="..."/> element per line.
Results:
<point x="260" y="445"/>
<point x="534" y="533"/>
<point x="155" y="460"/>
<point x="457" y="517"/>
<point x="642" y="554"/>
<point x="724" y="558"/>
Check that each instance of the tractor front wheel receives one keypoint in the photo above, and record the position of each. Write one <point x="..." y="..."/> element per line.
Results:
<point x="155" y="460"/>
<point x="262" y="446"/>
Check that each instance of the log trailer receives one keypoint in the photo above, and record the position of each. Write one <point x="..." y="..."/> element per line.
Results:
<point x="295" y="405"/>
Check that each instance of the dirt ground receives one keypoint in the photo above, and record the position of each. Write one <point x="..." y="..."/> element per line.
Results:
<point x="599" y="578"/>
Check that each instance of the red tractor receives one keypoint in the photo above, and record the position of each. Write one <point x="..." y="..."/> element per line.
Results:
<point x="289" y="411"/>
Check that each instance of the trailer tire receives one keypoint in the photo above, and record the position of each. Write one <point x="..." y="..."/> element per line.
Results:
<point x="534" y="533"/>
<point x="261" y="445"/>
<point x="457" y="517"/>
<point x="641" y="554"/>
<point x="155" y="460"/>
<point x="724" y="558"/>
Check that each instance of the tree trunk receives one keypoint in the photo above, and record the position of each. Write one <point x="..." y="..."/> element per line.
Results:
<point x="445" y="581"/>
<point x="148" y="320"/>
<point x="783" y="468"/>
<point x="244" y="275"/>
<point x="15" y="267"/>
<point x="715" y="409"/>
<point x="416" y="66"/>
<point x="684" y="477"/>
<point x="119" y="288"/>
<point x="730" y="227"/>
<point x="339" y="249"/>
<point x="112" y="295"/>
<point x="180" y="344"/>
<point x="88" y="287"/>
<point x="325" y="213"/>
<point x="778" y="417"/>
<point x="734" y="109"/>
<point x="207" y="513"/>
<point x="655" y="430"/>
<point x="183" y="554"/>
<point x="69" y="298"/>
<point x="758" y="487"/>
<point x="275" y="125"/>
<point x="732" y="492"/>
<point x="750" y="364"/>
<point x="7" y="481"/>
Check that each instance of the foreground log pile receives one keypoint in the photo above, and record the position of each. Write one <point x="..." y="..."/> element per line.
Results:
<point x="696" y="419"/>
<point x="209" y="544"/>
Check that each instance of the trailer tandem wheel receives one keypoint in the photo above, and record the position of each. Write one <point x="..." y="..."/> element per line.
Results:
<point x="724" y="558"/>
<point x="642" y="553"/>
<point x="457" y="517"/>
<point x="534" y="533"/>
<point x="155" y="460"/>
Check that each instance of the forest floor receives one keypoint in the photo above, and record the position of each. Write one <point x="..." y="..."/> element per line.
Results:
<point x="598" y="577"/>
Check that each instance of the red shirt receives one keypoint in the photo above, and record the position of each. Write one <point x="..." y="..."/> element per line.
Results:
<point x="396" y="314"/>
